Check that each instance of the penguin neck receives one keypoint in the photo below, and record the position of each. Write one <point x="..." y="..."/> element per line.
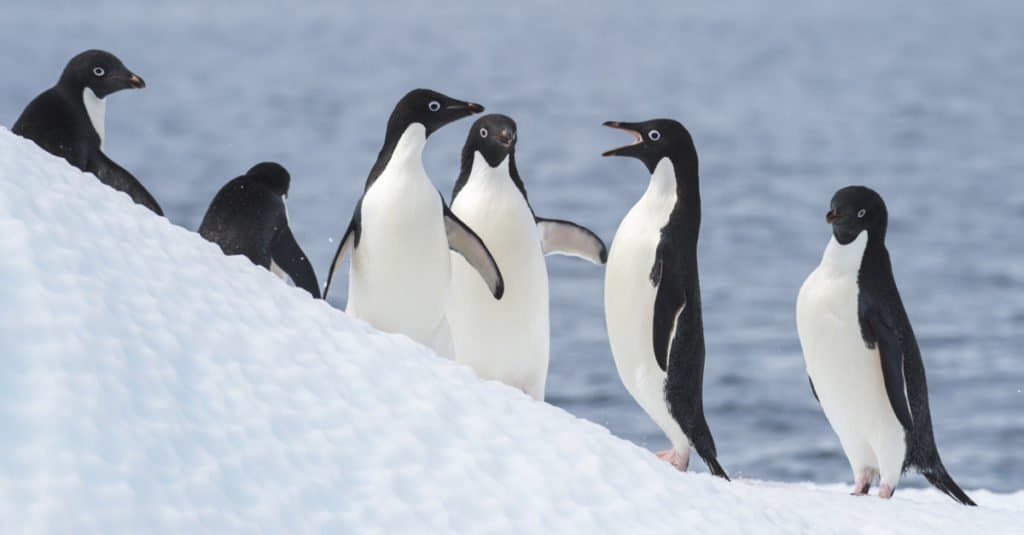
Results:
<point x="402" y="152"/>
<point x="96" y="109"/>
<point x="845" y="259"/>
<point x="669" y="182"/>
<point x="477" y="169"/>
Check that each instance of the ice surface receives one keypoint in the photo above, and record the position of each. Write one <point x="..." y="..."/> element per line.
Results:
<point x="150" y="384"/>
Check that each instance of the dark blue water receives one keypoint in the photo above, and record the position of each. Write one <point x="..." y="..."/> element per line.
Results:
<point x="920" y="100"/>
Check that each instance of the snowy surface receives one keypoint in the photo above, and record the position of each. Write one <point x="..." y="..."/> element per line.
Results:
<point x="150" y="384"/>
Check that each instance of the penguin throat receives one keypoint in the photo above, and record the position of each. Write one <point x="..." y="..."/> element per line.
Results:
<point x="483" y="169"/>
<point x="96" y="109"/>
<point x="663" y="180"/>
<point x="845" y="259"/>
<point x="409" y="146"/>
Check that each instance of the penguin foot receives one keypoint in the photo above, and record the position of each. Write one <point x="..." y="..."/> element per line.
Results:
<point x="885" y="491"/>
<point x="679" y="460"/>
<point x="861" y="486"/>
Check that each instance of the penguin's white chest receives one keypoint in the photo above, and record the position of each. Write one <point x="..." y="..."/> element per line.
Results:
<point x="96" y="109"/>
<point x="400" y="273"/>
<point x="508" y="339"/>
<point x="847" y="376"/>
<point x="629" y="298"/>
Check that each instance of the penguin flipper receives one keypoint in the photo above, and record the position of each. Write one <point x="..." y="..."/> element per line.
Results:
<point x="879" y="330"/>
<point x="464" y="241"/>
<point x="567" y="238"/>
<point x="287" y="254"/>
<point x="118" y="178"/>
<point x="349" y="241"/>
<point x="671" y="315"/>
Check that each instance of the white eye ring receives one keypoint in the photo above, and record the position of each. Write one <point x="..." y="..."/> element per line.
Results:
<point x="483" y="132"/>
<point x="434" y="105"/>
<point x="654" y="135"/>
<point x="98" y="71"/>
<point x="860" y="214"/>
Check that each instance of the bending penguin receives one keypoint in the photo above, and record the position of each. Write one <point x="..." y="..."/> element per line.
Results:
<point x="862" y="358"/>
<point x="401" y="231"/>
<point x="248" y="217"/>
<point x="652" y="292"/>
<point x="507" y="340"/>
<point x="68" y="120"/>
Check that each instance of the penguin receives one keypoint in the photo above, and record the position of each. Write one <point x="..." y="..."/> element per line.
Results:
<point x="652" y="292"/>
<point x="507" y="340"/>
<point x="248" y="217"/>
<point x="862" y="358"/>
<point x="68" y="120"/>
<point x="402" y="229"/>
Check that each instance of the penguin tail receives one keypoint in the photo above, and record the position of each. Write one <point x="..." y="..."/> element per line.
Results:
<point x="715" y="468"/>
<point x="940" y="478"/>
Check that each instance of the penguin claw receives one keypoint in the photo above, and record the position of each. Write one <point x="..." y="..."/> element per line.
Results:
<point x="886" y="491"/>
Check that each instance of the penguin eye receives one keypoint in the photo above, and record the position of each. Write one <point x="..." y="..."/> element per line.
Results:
<point x="860" y="214"/>
<point x="654" y="135"/>
<point x="434" y="105"/>
<point x="98" y="71"/>
<point x="483" y="132"/>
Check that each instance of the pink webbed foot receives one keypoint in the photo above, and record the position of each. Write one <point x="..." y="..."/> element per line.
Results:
<point x="679" y="460"/>
<point x="861" y="486"/>
<point x="885" y="491"/>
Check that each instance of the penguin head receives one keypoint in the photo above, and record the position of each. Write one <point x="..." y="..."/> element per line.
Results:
<point x="654" y="140"/>
<point x="429" y="108"/>
<point x="855" y="209"/>
<point x="99" y="71"/>
<point x="493" y="136"/>
<point x="271" y="175"/>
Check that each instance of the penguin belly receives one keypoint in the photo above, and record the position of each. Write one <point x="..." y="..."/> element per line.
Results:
<point x="847" y="376"/>
<point x="507" y="340"/>
<point x="400" y="274"/>
<point x="629" y="309"/>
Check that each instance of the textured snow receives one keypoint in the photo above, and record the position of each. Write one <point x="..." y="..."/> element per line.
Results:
<point x="151" y="384"/>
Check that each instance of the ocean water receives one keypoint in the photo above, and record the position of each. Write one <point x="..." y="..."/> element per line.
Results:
<point x="921" y="101"/>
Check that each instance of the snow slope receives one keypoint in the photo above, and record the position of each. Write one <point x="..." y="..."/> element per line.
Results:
<point x="150" y="384"/>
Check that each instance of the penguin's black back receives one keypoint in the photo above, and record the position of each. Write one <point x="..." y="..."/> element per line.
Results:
<point x="243" y="219"/>
<point x="60" y="126"/>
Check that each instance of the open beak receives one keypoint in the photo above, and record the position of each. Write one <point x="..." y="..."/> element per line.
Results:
<point x="627" y="127"/>
<point x="136" y="82"/>
<point x="831" y="216"/>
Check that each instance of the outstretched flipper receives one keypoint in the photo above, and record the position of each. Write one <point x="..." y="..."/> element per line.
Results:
<point x="287" y="254"/>
<point x="118" y="178"/>
<point x="464" y="241"/>
<point x="349" y="241"/>
<point x="567" y="238"/>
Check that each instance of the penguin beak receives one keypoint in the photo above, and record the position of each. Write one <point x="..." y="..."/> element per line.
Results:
<point x="624" y="150"/>
<point x="135" y="82"/>
<point x="471" y="107"/>
<point x="831" y="216"/>
<point x="505" y="138"/>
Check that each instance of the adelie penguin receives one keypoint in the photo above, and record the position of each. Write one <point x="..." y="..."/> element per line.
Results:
<point x="507" y="340"/>
<point x="862" y="358"/>
<point x="68" y="120"/>
<point x="401" y="231"/>
<point x="652" y="292"/>
<point x="248" y="217"/>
